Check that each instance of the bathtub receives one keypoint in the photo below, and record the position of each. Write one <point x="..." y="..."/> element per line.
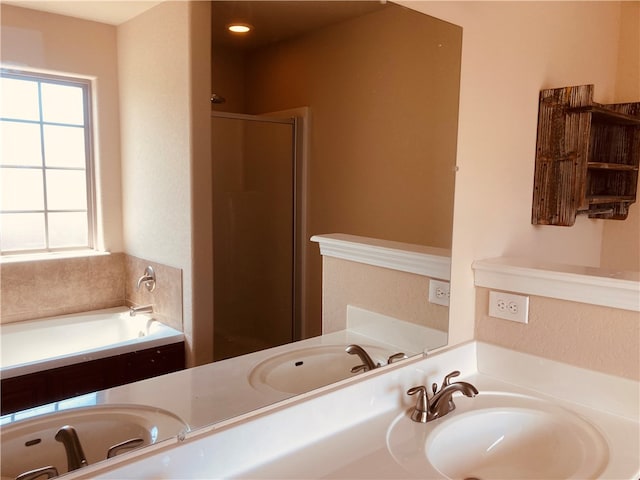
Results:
<point x="37" y="345"/>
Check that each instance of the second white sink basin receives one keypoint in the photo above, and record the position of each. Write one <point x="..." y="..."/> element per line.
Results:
<point x="305" y="369"/>
<point x="500" y="436"/>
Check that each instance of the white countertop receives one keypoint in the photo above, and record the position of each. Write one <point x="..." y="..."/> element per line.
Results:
<point x="340" y="431"/>
<point x="210" y="393"/>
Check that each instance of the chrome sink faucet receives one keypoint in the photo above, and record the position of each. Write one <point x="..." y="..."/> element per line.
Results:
<point x="75" y="456"/>
<point x="367" y="361"/>
<point x="441" y="403"/>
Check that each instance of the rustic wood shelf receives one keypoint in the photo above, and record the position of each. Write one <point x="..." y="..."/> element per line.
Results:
<point x="587" y="157"/>
<point x="611" y="166"/>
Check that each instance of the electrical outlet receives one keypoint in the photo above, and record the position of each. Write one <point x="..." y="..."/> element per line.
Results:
<point x="439" y="292"/>
<point x="509" y="306"/>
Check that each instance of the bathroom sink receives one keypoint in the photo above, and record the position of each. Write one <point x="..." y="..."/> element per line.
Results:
<point x="500" y="436"/>
<point x="305" y="369"/>
<point x="29" y="444"/>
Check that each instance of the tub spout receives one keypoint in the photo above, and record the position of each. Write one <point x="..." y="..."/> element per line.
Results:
<point x="75" y="456"/>
<point x="133" y="311"/>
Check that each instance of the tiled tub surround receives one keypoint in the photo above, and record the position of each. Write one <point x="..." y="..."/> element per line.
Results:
<point x="587" y="317"/>
<point x="166" y="298"/>
<point x="58" y="286"/>
<point x="341" y="431"/>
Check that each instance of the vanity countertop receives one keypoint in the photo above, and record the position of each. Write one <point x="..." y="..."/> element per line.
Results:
<point x="212" y="393"/>
<point x="342" y="431"/>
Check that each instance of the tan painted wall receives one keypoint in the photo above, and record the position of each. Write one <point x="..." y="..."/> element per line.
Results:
<point x="396" y="294"/>
<point x="64" y="45"/>
<point x="589" y="336"/>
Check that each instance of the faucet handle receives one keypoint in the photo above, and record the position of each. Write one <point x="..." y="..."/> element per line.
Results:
<point x="420" y="412"/>
<point x="447" y="379"/>
<point x="122" y="446"/>
<point x="359" y="368"/>
<point x="148" y="279"/>
<point x="396" y="356"/>
<point x="50" y="471"/>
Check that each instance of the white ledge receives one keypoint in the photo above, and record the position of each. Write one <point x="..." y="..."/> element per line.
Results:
<point x="596" y="286"/>
<point x="405" y="257"/>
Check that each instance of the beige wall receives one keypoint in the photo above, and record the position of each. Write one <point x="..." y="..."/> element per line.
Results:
<point x="69" y="46"/>
<point x="389" y="292"/>
<point x="589" y="336"/>
<point x="164" y="153"/>
<point x="512" y="50"/>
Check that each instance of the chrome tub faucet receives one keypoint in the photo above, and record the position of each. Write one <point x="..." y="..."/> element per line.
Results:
<point x="441" y="403"/>
<point x="133" y="311"/>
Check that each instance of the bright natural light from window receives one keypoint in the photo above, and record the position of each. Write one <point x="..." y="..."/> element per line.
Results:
<point x="45" y="168"/>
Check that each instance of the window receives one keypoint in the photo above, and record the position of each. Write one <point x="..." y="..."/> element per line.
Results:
<point x="46" y="179"/>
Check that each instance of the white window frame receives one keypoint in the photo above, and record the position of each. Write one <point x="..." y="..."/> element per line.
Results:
<point x="86" y="86"/>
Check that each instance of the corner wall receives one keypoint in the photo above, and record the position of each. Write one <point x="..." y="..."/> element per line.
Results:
<point x="155" y="107"/>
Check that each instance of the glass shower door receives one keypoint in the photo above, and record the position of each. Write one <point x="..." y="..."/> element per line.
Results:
<point x="254" y="228"/>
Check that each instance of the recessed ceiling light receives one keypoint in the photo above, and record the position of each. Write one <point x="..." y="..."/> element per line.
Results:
<point x="239" y="28"/>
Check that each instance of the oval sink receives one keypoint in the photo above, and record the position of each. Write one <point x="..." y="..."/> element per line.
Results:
<point x="30" y="444"/>
<point x="305" y="369"/>
<point x="501" y="436"/>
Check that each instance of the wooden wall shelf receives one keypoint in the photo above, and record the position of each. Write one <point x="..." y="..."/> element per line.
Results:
<point x="587" y="157"/>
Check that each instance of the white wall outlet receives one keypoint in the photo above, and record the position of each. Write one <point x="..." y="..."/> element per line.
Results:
<point x="439" y="292"/>
<point x="509" y="306"/>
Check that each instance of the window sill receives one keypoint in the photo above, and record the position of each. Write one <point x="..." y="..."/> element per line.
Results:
<point x="38" y="257"/>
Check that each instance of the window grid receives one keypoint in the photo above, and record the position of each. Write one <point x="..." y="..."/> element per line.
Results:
<point x="85" y="86"/>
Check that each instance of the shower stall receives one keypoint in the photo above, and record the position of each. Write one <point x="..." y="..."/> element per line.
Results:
<point x="256" y="193"/>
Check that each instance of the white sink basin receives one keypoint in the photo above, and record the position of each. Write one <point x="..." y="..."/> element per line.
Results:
<point x="305" y="369"/>
<point x="30" y="444"/>
<point x="499" y="436"/>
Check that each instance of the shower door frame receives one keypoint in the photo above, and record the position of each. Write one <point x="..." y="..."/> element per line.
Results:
<point x="298" y="119"/>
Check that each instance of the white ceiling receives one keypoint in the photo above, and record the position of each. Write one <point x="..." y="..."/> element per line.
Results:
<point x="113" y="12"/>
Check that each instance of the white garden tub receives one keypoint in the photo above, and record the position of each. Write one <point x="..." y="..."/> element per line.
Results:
<point x="37" y="345"/>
